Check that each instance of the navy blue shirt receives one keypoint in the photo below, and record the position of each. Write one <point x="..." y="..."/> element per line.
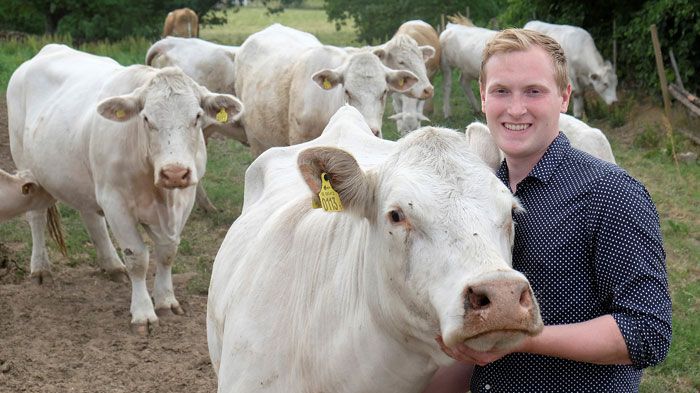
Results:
<point x="589" y="242"/>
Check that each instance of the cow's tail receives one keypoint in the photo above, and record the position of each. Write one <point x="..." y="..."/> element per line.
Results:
<point x="55" y="228"/>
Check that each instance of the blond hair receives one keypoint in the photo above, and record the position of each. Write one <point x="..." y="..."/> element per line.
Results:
<point x="512" y="40"/>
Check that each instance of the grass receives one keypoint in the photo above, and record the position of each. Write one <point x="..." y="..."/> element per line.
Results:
<point x="638" y="141"/>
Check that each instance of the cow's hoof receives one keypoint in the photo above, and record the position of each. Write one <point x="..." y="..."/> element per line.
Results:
<point x="43" y="277"/>
<point x="168" y="311"/>
<point x="119" y="276"/>
<point x="143" y="329"/>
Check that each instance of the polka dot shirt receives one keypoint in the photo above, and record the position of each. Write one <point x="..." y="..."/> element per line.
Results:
<point x="590" y="244"/>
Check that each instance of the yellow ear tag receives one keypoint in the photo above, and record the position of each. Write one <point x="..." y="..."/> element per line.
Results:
<point x="401" y="82"/>
<point x="222" y="116"/>
<point x="327" y="84"/>
<point x="120" y="113"/>
<point x="330" y="200"/>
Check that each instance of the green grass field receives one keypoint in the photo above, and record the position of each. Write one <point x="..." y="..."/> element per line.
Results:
<point x="637" y="138"/>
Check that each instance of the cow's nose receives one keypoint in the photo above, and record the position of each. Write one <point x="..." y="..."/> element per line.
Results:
<point x="175" y="176"/>
<point x="427" y="93"/>
<point x="500" y="298"/>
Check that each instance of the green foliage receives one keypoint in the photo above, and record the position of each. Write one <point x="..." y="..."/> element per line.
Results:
<point x="648" y="139"/>
<point x="377" y="21"/>
<point x="90" y="20"/>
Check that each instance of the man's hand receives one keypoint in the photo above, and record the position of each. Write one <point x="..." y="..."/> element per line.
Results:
<point x="465" y="354"/>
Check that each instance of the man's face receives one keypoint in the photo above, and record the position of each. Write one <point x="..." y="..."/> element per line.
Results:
<point x="522" y="103"/>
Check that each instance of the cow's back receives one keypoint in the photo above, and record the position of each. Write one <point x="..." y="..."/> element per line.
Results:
<point x="262" y="81"/>
<point x="462" y="47"/>
<point x="53" y="120"/>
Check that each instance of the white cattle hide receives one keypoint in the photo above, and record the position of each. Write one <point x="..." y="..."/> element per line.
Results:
<point x="292" y="85"/>
<point x="585" y="64"/>
<point x="581" y="136"/>
<point x="462" y="48"/>
<point x="118" y="143"/>
<point x="305" y="300"/>
<point x="20" y="193"/>
<point x="210" y="65"/>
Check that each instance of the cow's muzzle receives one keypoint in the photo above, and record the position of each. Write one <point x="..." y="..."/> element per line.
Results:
<point x="174" y="176"/>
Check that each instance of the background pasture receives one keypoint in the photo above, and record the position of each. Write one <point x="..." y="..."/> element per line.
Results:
<point x="634" y="126"/>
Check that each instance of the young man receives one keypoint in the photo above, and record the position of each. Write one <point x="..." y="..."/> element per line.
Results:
<point x="588" y="241"/>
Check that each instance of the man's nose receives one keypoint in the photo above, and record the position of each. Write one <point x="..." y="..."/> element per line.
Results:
<point x="516" y="106"/>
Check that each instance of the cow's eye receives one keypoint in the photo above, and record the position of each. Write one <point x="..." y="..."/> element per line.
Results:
<point x="396" y="216"/>
<point x="196" y="119"/>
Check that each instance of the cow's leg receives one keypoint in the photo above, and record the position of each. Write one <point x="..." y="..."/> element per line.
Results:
<point x="467" y="87"/>
<point x="446" y="91"/>
<point x="107" y="255"/>
<point x="124" y="228"/>
<point x="578" y="104"/>
<point x="39" y="265"/>
<point x="163" y="292"/>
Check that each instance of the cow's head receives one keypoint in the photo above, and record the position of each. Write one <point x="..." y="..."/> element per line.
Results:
<point x="171" y="110"/>
<point x="408" y="121"/>
<point x="605" y="83"/>
<point x="366" y="82"/>
<point x="403" y="53"/>
<point x="439" y="245"/>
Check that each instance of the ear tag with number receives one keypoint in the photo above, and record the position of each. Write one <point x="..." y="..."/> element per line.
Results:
<point x="120" y="113"/>
<point x="330" y="200"/>
<point x="327" y="84"/>
<point x="222" y="116"/>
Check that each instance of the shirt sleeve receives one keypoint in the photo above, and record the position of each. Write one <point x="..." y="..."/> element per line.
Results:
<point x="630" y="267"/>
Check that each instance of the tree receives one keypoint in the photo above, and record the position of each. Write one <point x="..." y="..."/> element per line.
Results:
<point x="87" y="20"/>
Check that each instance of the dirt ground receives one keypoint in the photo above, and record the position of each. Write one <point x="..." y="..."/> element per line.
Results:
<point x="73" y="336"/>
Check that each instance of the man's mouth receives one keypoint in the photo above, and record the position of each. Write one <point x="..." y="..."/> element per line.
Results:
<point x="516" y="126"/>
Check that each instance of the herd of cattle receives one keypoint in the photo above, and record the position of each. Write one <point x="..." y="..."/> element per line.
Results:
<point x="301" y="299"/>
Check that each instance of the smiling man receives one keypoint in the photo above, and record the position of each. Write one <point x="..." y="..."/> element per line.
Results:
<point x="588" y="240"/>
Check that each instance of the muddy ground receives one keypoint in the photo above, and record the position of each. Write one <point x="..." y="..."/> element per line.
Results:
<point x="73" y="336"/>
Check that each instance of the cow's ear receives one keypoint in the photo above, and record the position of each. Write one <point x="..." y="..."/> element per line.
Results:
<point x="380" y="52"/>
<point x="428" y="52"/>
<point x="327" y="79"/>
<point x="121" y="108"/>
<point x="343" y="173"/>
<point x="221" y="108"/>
<point x="483" y="145"/>
<point x="400" y="80"/>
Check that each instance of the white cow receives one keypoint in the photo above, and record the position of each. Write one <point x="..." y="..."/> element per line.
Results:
<point x="117" y="143"/>
<point x="306" y="300"/>
<point x="586" y="65"/>
<point x="581" y="136"/>
<point x="462" y="48"/>
<point x="210" y="65"/>
<point x="409" y="110"/>
<point x="291" y="85"/>
<point x="20" y="193"/>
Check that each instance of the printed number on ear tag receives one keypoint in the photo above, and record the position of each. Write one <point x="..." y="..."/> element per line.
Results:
<point x="222" y="116"/>
<point x="330" y="200"/>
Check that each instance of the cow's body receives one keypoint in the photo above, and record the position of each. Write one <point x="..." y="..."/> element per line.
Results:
<point x="20" y="193"/>
<point x="586" y="65"/>
<point x="117" y="143"/>
<point x="462" y="48"/>
<point x="581" y="136"/>
<point x="182" y="22"/>
<point x="292" y="85"/>
<point x="409" y="110"/>
<point x="304" y="300"/>
<point x="210" y="65"/>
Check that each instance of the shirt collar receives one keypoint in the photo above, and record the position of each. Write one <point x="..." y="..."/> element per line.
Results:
<point x="544" y="169"/>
